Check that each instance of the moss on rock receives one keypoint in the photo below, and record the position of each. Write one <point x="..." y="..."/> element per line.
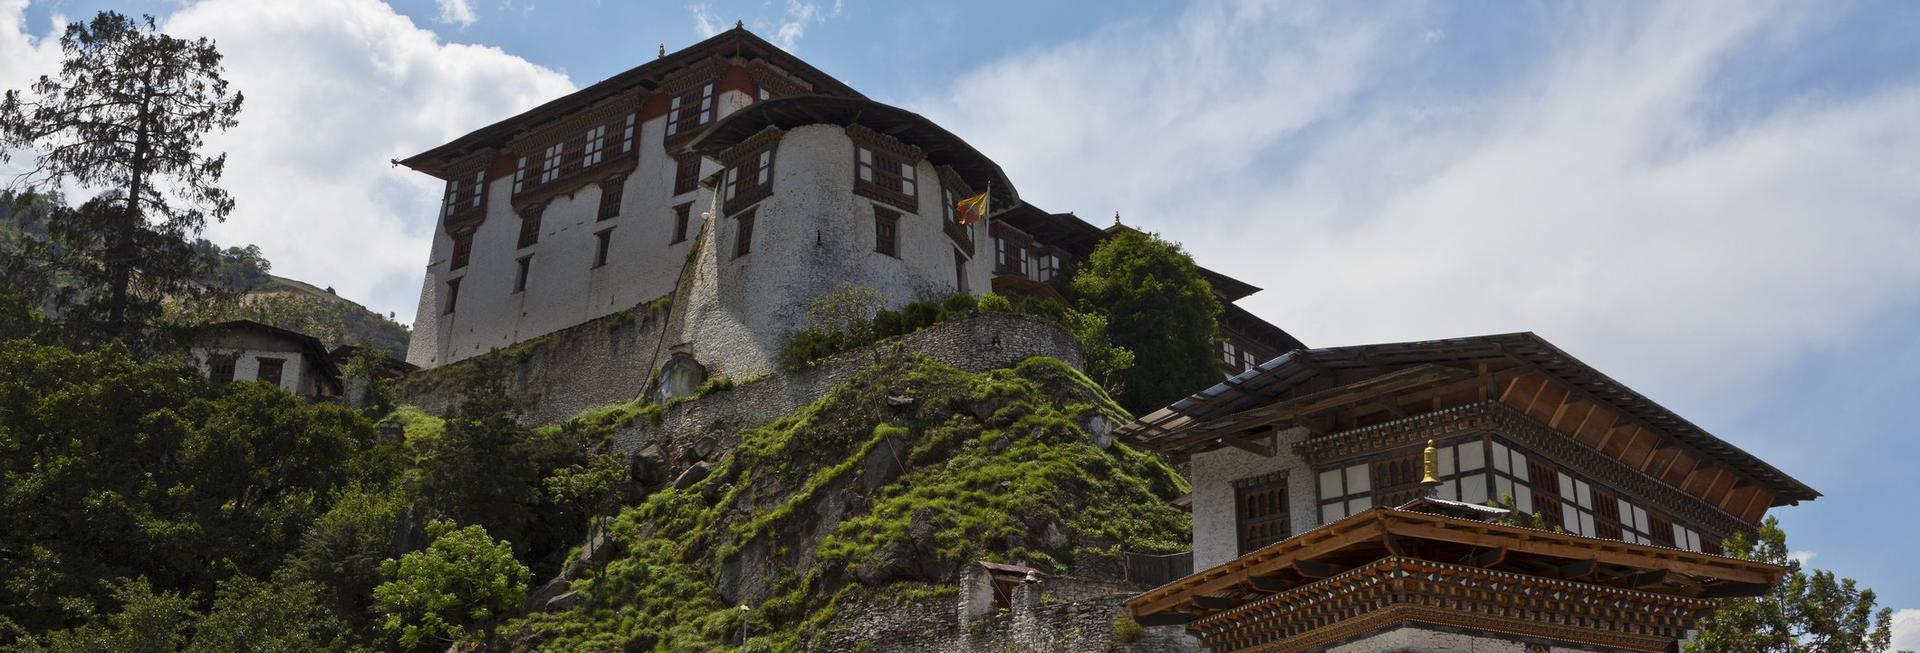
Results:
<point x="894" y="479"/>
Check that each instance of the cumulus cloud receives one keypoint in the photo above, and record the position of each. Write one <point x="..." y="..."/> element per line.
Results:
<point x="1599" y="195"/>
<point x="456" y="12"/>
<point x="333" y="91"/>
<point x="1906" y="630"/>
<point x="1804" y="557"/>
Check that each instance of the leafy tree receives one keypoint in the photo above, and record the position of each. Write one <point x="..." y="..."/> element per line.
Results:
<point x="147" y="622"/>
<point x="255" y="616"/>
<point x="1808" y="612"/>
<point x="111" y="468"/>
<point x="1158" y="307"/>
<point x="456" y="589"/>
<point x="1106" y="363"/>
<point x="128" y="112"/>
<point x="478" y="471"/>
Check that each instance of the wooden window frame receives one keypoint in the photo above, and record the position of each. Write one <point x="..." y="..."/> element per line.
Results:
<point x="612" y="193"/>
<point x="886" y="231"/>
<point x="462" y="253"/>
<point x="529" y="230"/>
<point x="743" y="232"/>
<point x="681" y="122"/>
<point x="603" y="241"/>
<point x="550" y="159"/>
<point x="220" y="367"/>
<point x="686" y="174"/>
<point x="278" y="365"/>
<point x="1010" y="256"/>
<point x="886" y="176"/>
<point x="1261" y="510"/>
<point x="751" y="180"/>
<point x="523" y="269"/>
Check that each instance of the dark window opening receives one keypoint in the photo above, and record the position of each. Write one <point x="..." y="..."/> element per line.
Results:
<point x="686" y="173"/>
<point x="886" y="232"/>
<point x="453" y="295"/>
<point x="1260" y="507"/>
<point x="680" y="215"/>
<point x="520" y="275"/>
<point x="462" y="251"/>
<point x="743" y="234"/>
<point x="270" y="370"/>
<point x="610" y="195"/>
<point x="605" y="239"/>
<point x="220" y="369"/>
<point x="960" y="271"/>
<point x="529" y="230"/>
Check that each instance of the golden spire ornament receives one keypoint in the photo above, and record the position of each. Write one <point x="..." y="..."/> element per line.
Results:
<point x="1430" y="464"/>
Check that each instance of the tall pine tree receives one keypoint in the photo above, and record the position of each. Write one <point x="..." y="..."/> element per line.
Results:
<point x="127" y="115"/>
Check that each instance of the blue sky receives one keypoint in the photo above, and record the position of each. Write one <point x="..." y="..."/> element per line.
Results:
<point x="1717" y="204"/>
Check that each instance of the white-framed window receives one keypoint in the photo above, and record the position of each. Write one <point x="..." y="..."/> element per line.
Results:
<point x="479" y="187"/>
<point x="633" y="132"/>
<point x="885" y="171"/>
<point x="1049" y="266"/>
<point x="550" y="163"/>
<point x="520" y="176"/>
<point x="596" y="142"/>
<point x="690" y="110"/>
<point x="1229" y="354"/>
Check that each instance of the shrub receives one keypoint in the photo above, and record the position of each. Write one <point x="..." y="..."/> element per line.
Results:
<point x="809" y="345"/>
<point x="959" y="304"/>
<point x="994" y="303"/>
<point x="456" y="589"/>
<point x="919" y="315"/>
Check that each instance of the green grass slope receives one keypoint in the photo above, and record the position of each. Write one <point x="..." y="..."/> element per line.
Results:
<point x="885" y="488"/>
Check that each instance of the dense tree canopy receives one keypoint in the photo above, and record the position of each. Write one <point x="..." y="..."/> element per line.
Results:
<point x="1158" y="307"/>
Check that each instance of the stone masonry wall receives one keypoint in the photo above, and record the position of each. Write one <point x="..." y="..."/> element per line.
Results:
<point x="1058" y="614"/>
<point x="603" y="361"/>
<point x="703" y="428"/>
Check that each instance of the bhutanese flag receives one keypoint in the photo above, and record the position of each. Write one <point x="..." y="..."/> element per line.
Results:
<point x="972" y="209"/>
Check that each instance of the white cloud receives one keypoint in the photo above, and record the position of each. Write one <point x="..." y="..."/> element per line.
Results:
<point x="794" y="24"/>
<point x="1906" y="630"/>
<point x="333" y="91"/>
<point x="704" y="22"/>
<point x="456" y="12"/>
<point x="1600" y="196"/>
<point x="1804" y="557"/>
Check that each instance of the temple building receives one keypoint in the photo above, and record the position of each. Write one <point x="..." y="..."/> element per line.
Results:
<point x="742" y="183"/>
<point x="1340" y="502"/>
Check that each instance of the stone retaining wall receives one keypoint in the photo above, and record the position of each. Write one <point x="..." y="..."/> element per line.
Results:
<point x="703" y="428"/>
<point x="1058" y="614"/>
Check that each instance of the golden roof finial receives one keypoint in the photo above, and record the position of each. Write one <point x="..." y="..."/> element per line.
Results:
<point x="1430" y="462"/>
<point x="739" y="24"/>
<point x="663" y="50"/>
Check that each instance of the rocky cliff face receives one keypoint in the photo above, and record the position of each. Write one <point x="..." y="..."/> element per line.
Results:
<point x="882" y="492"/>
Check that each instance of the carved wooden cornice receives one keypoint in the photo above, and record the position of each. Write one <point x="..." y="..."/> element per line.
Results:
<point x="533" y="142"/>
<point x="1539" y="439"/>
<point x="695" y="75"/>
<point x="738" y="154"/>
<point x="612" y="171"/>
<point x="776" y="81"/>
<point x="1407" y="591"/>
<point x="865" y="136"/>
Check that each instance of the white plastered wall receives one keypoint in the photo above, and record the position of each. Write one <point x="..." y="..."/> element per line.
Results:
<point x="246" y="365"/>
<point x="563" y="287"/>
<point x="1215" y="533"/>
<point x="812" y="235"/>
<point x="1413" y="639"/>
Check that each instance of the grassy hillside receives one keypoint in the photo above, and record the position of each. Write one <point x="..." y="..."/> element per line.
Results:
<point x="884" y="487"/>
